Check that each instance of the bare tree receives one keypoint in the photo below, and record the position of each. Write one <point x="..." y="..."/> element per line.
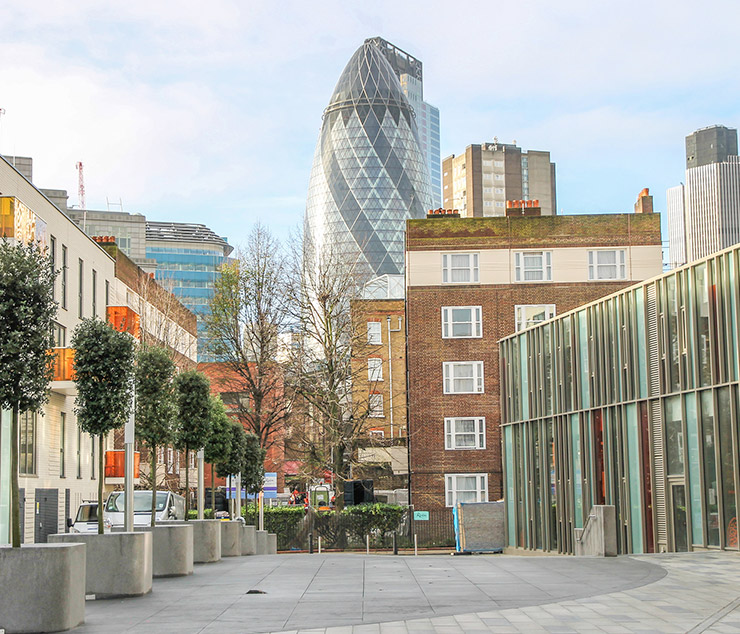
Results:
<point x="332" y="419"/>
<point x="248" y="314"/>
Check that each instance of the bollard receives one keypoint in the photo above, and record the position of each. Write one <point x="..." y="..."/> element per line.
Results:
<point x="367" y="544"/>
<point x="310" y="543"/>
<point x="416" y="551"/>
<point x="395" y="544"/>
<point x="319" y="544"/>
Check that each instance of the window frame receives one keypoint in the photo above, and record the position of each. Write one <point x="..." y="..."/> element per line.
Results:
<point x="448" y="377"/>
<point x="550" y="311"/>
<point x="481" y="490"/>
<point x="371" y="335"/>
<point x="451" y="434"/>
<point x="520" y="270"/>
<point x="81" y="288"/>
<point x="64" y="270"/>
<point x="476" y="322"/>
<point x="27" y="452"/>
<point x="620" y="266"/>
<point x="375" y="373"/>
<point x="62" y="444"/>
<point x="473" y="267"/>
<point x="372" y="410"/>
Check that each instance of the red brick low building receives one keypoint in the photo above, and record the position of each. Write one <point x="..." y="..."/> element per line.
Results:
<point x="230" y="387"/>
<point x="472" y="281"/>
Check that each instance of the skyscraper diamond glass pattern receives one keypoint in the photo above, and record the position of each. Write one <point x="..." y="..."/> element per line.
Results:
<point x="369" y="175"/>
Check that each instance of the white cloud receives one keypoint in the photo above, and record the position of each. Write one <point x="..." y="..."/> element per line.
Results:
<point x="210" y="114"/>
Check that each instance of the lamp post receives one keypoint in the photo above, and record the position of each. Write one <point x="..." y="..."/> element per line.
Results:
<point x="128" y="475"/>
<point x="201" y="490"/>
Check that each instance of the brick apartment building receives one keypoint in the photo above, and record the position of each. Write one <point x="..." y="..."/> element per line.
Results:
<point x="472" y="281"/>
<point x="379" y="378"/>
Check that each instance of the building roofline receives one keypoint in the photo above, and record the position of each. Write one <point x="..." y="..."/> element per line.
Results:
<point x="626" y="289"/>
<point x="72" y="222"/>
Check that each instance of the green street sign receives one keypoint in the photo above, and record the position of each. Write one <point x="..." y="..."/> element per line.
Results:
<point x="421" y="515"/>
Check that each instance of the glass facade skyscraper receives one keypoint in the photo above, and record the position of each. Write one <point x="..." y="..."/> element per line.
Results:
<point x="188" y="259"/>
<point x="369" y="175"/>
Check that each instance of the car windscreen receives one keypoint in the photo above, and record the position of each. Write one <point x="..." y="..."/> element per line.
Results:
<point x="87" y="513"/>
<point x="142" y="502"/>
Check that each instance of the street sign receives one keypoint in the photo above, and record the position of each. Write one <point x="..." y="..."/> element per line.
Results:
<point x="269" y="488"/>
<point x="421" y="515"/>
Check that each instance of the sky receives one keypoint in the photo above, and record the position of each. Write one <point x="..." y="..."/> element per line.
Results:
<point x="209" y="112"/>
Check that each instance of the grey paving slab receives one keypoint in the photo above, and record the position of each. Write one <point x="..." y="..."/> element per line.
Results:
<point x="359" y="594"/>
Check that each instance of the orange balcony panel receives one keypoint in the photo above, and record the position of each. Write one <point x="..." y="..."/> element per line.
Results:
<point x="115" y="464"/>
<point x="64" y="364"/>
<point x="123" y="319"/>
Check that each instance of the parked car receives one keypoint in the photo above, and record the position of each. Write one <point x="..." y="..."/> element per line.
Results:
<point x="86" y="520"/>
<point x="169" y="506"/>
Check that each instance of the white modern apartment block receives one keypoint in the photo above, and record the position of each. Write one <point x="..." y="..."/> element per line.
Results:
<point x="58" y="462"/>
<point x="704" y="212"/>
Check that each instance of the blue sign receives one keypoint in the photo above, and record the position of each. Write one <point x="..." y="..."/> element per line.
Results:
<point x="269" y="488"/>
<point x="421" y="515"/>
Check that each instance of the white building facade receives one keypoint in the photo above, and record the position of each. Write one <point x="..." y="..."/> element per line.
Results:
<point x="58" y="462"/>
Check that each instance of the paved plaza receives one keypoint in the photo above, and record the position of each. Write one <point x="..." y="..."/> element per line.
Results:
<point x="382" y="594"/>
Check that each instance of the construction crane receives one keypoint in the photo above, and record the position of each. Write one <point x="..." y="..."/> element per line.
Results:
<point x="81" y="194"/>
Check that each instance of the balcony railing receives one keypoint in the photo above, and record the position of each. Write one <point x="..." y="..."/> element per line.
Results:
<point x="123" y="319"/>
<point x="64" y="364"/>
<point x="115" y="464"/>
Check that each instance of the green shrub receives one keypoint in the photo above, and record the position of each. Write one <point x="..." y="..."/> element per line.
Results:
<point x="207" y="514"/>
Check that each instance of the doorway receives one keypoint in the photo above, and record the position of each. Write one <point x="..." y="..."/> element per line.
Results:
<point x="680" y="529"/>
<point x="46" y="517"/>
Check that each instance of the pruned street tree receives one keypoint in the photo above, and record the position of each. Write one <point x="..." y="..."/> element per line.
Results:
<point x="192" y="398"/>
<point x="218" y="443"/>
<point x="248" y="315"/>
<point x="323" y="283"/>
<point x="103" y="365"/>
<point x="27" y="308"/>
<point x="233" y="462"/>
<point x="253" y="469"/>
<point x="155" y="406"/>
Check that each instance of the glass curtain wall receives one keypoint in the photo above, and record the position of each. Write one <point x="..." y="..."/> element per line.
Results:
<point x="632" y="401"/>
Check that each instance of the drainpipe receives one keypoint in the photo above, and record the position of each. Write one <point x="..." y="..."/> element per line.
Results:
<point x="390" y="365"/>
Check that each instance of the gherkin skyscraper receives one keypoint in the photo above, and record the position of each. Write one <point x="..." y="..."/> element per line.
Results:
<point x="369" y="175"/>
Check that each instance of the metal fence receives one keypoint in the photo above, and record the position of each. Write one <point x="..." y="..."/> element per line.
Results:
<point x="346" y="532"/>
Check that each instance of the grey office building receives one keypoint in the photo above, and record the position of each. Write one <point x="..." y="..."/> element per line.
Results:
<point x="704" y="211"/>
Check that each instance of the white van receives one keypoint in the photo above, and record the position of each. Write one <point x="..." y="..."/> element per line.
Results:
<point x="169" y="506"/>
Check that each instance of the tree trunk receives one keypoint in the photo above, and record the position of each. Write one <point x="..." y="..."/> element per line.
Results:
<point x="153" y="473"/>
<point x="15" y="495"/>
<point x="213" y="493"/>
<point x="101" y="477"/>
<point x="187" y="483"/>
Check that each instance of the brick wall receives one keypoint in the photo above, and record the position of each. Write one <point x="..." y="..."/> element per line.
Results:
<point x="428" y="406"/>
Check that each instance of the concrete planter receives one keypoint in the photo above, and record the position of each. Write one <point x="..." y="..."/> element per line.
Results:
<point x="172" y="549"/>
<point x="231" y="538"/>
<point x="271" y="544"/>
<point x="261" y="542"/>
<point x="206" y="539"/>
<point x="249" y="540"/>
<point x="43" y="587"/>
<point x="118" y="564"/>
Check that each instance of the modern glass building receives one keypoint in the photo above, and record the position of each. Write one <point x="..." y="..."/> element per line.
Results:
<point x="631" y="401"/>
<point x="410" y="72"/>
<point x="369" y="175"/>
<point x="188" y="259"/>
